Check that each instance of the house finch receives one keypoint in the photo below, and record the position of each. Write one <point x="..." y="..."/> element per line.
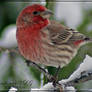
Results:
<point x="46" y="41"/>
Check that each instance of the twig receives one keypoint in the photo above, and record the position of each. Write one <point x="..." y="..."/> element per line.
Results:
<point x="50" y="77"/>
<point x="8" y="50"/>
<point x="30" y="63"/>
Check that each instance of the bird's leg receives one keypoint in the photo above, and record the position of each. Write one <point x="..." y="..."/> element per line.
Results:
<point x="57" y="71"/>
<point x="50" y="77"/>
<point x="56" y="76"/>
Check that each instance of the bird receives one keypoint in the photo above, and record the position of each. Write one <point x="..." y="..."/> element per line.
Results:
<point x="44" y="41"/>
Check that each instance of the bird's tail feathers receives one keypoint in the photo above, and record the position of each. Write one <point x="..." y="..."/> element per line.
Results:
<point x="88" y="39"/>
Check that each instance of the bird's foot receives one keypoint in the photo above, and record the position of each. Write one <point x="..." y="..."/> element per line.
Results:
<point x="56" y="76"/>
<point x="56" y="84"/>
<point x="54" y="80"/>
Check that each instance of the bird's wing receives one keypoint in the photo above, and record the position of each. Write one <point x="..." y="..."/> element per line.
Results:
<point x="59" y="33"/>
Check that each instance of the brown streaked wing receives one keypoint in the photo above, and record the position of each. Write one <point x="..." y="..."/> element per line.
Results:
<point x="59" y="33"/>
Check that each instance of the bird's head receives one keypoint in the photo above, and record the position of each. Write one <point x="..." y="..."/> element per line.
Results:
<point x="34" y="14"/>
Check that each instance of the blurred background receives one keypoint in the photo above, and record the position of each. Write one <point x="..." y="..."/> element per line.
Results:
<point x="77" y="15"/>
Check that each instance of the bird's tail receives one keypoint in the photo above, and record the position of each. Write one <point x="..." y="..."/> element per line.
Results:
<point x="88" y="39"/>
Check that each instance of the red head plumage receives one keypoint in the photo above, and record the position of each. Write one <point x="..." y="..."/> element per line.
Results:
<point x="32" y="15"/>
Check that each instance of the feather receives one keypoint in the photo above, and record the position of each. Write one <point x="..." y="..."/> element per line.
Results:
<point x="60" y="34"/>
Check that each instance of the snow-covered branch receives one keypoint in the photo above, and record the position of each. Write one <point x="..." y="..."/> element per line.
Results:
<point x="82" y="74"/>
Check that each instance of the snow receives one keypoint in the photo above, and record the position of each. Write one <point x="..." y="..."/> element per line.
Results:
<point x="45" y="88"/>
<point x="12" y="89"/>
<point x="84" y="67"/>
<point x="4" y="65"/>
<point x="49" y="86"/>
<point x="70" y="89"/>
<point x="43" y="2"/>
<point x="9" y="37"/>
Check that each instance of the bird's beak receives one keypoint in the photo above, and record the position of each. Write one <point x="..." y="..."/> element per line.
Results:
<point x="46" y="14"/>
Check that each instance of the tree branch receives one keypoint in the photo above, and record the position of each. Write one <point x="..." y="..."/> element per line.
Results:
<point x="81" y="75"/>
<point x="84" y="78"/>
<point x="67" y="85"/>
<point x="8" y="50"/>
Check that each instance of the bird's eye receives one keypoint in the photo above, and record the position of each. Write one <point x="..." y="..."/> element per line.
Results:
<point x="36" y="13"/>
